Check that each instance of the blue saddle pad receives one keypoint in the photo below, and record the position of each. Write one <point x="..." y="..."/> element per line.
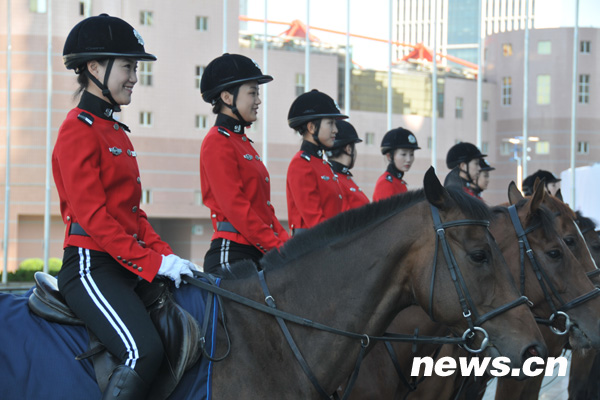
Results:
<point x="37" y="357"/>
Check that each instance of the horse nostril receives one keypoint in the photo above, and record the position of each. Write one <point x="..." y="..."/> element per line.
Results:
<point x="533" y="351"/>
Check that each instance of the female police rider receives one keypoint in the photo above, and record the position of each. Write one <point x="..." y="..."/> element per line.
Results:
<point x="463" y="161"/>
<point x="235" y="183"/>
<point x="109" y="243"/>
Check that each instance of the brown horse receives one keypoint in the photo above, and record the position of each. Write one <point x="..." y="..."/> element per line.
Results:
<point x="355" y="272"/>
<point x="547" y="244"/>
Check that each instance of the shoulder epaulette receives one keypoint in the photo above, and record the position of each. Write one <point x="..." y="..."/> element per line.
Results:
<point x="389" y="178"/>
<point x="306" y="156"/>
<point x="86" y="118"/>
<point x="223" y="132"/>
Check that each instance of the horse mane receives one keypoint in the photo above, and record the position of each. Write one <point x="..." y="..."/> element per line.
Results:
<point x="542" y="216"/>
<point x="352" y="222"/>
<point x="584" y="223"/>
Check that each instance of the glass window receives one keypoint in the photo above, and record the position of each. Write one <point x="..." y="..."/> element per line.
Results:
<point x="459" y="108"/>
<point x="429" y="142"/>
<point x="199" y="72"/>
<point x="507" y="50"/>
<point x="485" y="110"/>
<point x="146" y="18"/>
<point x="583" y="89"/>
<point x="201" y="23"/>
<point x="543" y="89"/>
<point x="485" y="146"/>
<point x="545" y="47"/>
<point x="299" y="84"/>
<point x="145" y="72"/>
<point x="38" y="6"/>
<point x="146" y="196"/>
<point x="585" y="47"/>
<point x="506" y="148"/>
<point x="583" y="147"/>
<point x="542" y="147"/>
<point x="369" y="138"/>
<point x="145" y="118"/>
<point x="506" y="91"/>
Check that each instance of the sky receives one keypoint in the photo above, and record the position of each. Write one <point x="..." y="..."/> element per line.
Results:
<point x="370" y="18"/>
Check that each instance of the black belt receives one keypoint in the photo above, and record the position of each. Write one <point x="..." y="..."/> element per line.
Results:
<point x="224" y="226"/>
<point x="76" y="229"/>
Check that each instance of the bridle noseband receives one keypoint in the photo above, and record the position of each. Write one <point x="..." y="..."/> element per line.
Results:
<point x="543" y="280"/>
<point x="469" y="310"/>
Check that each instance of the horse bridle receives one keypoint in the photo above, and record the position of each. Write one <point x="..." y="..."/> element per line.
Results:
<point x="468" y="307"/>
<point x="543" y="280"/>
<point x="595" y="272"/>
<point x="210" y="284"/>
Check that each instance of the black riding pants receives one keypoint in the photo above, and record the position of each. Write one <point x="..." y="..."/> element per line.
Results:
<point x="224" y="252"/>
<point x="101" y="293"/>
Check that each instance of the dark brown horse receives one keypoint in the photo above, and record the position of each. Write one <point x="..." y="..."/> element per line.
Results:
<point x="563" y="273"/>
<point x="355" y="272"/>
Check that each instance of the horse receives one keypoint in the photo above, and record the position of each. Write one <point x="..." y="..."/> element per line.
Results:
<point x="354" y="272"/>
<point x="547" y="244"/>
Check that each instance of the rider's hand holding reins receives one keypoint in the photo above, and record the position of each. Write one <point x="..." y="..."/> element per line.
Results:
<point x="173" y="267"/>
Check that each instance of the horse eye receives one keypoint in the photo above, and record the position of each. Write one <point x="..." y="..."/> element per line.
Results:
<point x="569" y="241"/>
<point x="554" y="254"/>
<point x="478" y="256"/>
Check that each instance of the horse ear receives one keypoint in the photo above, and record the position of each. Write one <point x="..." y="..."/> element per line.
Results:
<point x="514" y="194"/>
<point x="558" y="195"/>
<point x="539" y="191"/>
<point x="435" y="193"/>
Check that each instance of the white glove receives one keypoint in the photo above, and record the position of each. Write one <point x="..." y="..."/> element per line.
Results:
<point x="173" y="267"/>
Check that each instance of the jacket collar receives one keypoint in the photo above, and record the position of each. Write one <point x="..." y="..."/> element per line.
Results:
<point x="395" y="172"/>
<point x="340" y="168"/>
<point x="230" y="123"/>
<point x="97" y="106"/>
<point x="311" y="149"/>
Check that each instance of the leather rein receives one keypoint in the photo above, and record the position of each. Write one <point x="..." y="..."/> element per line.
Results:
<point x="547" y="287"/>
<point x="210" y="284"/>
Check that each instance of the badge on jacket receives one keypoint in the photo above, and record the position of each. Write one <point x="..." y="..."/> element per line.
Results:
<point x="248" y="157"/>
<point x="115" y="151"/>
<point x="325" y="177"/>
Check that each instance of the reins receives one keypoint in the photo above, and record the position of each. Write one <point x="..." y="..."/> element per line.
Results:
<point x="543" y="280"/>
<point x="210" y="284"/>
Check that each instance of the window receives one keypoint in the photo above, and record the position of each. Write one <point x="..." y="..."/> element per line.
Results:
<point x="507" y="50"/>
<point x="84" y="8"/>
<point x="201" y="121"/>
<point x="202" y="23"/>
<point x="197" y="197"/>
<point x="145" y="118"/>
<point x="545" y="47"/>
<point x="38" y="6"/>
<point x="543" y="89"/>
<point x="584" y="89"/>
<point x="146" y="196"/>
<point x="299" y="84"/>
<point x="583" y="147"/>
<point x="506" y="148"/>
<point x="429" y="142"/>
<point x="199" y="72"/>
<point x="369" y="138"/>
<point x="145" y="73"/>
<point x="459" y="108"/>
<point x="197" y="229"/>
<point x="485" y="110"/>
<point x="485" y="146"/>
<point x="146" y="18"/>
<point x="506" y="91"/>
<point x="542" y="147"/>
<point x="585" y="47"/>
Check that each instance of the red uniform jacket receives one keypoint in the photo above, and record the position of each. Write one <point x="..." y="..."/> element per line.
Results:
<point x="236" y="187"/>
<point x="312" y="189"/>
<point x="389" y="183"/>
<point x="354" y="197"/>
<point x="98" y="182"/>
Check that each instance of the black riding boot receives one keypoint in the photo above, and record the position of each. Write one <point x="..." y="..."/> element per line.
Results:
<point x="125" y="384"/>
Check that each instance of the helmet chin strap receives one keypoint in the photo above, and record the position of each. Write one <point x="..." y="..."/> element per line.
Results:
<point x="352" y="156"/>
<point x="315" y="135"/>
<point x="469" y="177"/>
<point x="234" y="108"/>
<point x="104" y="86"/>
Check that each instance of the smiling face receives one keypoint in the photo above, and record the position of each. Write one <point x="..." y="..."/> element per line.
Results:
<point x="327" y="132"/>
<point x="247" y="101"/>
<point x="403" y="159"/>
<point x="122" y="79"/>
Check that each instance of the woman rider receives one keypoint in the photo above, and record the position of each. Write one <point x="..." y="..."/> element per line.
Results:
<point x="109" y="243"/>
<point x="398" y="146"/>
<point x="463" y="161"/>
<point x="312" y="189"/>
<point x="235" y="183"/>
<point x="483" y="180"/>
<point x="342" y="157"/>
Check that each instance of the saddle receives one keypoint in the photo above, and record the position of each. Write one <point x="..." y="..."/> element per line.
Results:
<point x="178" y="330"/>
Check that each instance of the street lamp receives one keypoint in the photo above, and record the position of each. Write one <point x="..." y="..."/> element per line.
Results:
<point x="519" y="148"/>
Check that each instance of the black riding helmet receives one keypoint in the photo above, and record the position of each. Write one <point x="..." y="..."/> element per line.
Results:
<point x="313" y="106"/>
<point x="101" y="37"/>
<point x="346" y="135"/>
<point x="462" y="152"/>
<point x="528" y="182"/>
<point x="398" y="138"/>
<point x="484" y="165"/>
<point x="229" y="72"/>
